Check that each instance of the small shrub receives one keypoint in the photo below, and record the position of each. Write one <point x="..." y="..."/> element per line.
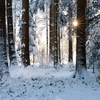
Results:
<point x="98" y="78"/>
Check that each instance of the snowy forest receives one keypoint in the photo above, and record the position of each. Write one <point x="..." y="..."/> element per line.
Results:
<point x="49" y="49"/>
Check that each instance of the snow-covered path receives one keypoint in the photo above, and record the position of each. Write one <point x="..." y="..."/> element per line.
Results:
<point x="48" y="84"/>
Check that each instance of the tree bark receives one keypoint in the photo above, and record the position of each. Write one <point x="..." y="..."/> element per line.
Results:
<point x="3" y="51"/>
<point x="80" y="46"/>
<point x="58" y="32"/>
<point x="11" y="41"/>
<point x="54" y="39"/>
<point x="47" y="42"/>
<point x="58" y="40"/>
<point x="55" y="33"/>
<point x="25" y="33"/>
<point x="80" y="51"/>
<point x="51" y="45"/>
<point x="70" y="34"/>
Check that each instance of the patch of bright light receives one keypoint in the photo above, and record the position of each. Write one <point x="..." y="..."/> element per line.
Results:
<point x="75" y="23"/>
<point x="99" y="11"/>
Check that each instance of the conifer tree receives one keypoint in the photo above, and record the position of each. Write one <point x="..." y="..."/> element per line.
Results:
<point x="25" y="33"/>
<point x="93" y="41"/>
<point x="80" y="46"/>
<point x="70" y="32"/>
<point x="11" y="41"/>
<point x="55" y="33"/>
<point x="51" y="35"/>
<point x="3" y="51"/>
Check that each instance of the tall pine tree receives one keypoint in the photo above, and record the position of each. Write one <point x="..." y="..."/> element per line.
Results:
<point x="3" y="51"/>
<point x="11" y="41"/>
<point x="25" y="33"/>
<point x="70" y="32"/>
<point x="80" y="46"/>
<point x="51" y="43"/>
<point x="55" y="33"/>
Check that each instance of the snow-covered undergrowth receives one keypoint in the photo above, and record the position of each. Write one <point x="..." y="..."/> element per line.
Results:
<point x="35" y="83"/>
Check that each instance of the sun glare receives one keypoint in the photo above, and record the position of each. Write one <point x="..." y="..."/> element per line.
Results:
<point x="75" y="23"/>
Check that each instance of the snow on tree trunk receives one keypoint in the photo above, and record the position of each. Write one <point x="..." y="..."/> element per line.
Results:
<point x="58" y="40"/>
<point x="47" y="36"/>
<point x="25" y="32"/>
<point x="80" y="46"/>
<point x="54" y="38"/>
<point x="11" y="41"/>
<point x="3" y="51"/>
<point x="58" y="32"/>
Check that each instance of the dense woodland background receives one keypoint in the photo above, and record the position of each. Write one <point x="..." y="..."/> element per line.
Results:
<point x="42" y="31"/>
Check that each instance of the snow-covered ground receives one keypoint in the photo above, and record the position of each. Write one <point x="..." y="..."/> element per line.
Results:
<point x="35" y="83"/>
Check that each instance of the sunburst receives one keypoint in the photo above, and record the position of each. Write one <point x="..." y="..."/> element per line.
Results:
<point x="75" y="23"/>
<point x="81" y="22"/>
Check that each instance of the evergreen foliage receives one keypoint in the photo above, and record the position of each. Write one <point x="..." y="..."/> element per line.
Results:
<point x="93" y="34"/>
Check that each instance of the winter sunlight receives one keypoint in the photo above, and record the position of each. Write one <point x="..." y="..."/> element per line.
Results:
<point x="49" y="49"/>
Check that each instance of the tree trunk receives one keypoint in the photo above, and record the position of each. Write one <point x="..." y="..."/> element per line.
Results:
<point x="25" y="32"/>
<point x="80" y="46"/>
<point x="51" y="45"/>
<point x="58" y="33"/>
<point x="47" y="45"/>
<point x="3" y="51"/>
<point x="11" y="41"/>
<point x="70" y="33"/>
<point x="55" y="33"/>
<point x="58" y="40"/>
